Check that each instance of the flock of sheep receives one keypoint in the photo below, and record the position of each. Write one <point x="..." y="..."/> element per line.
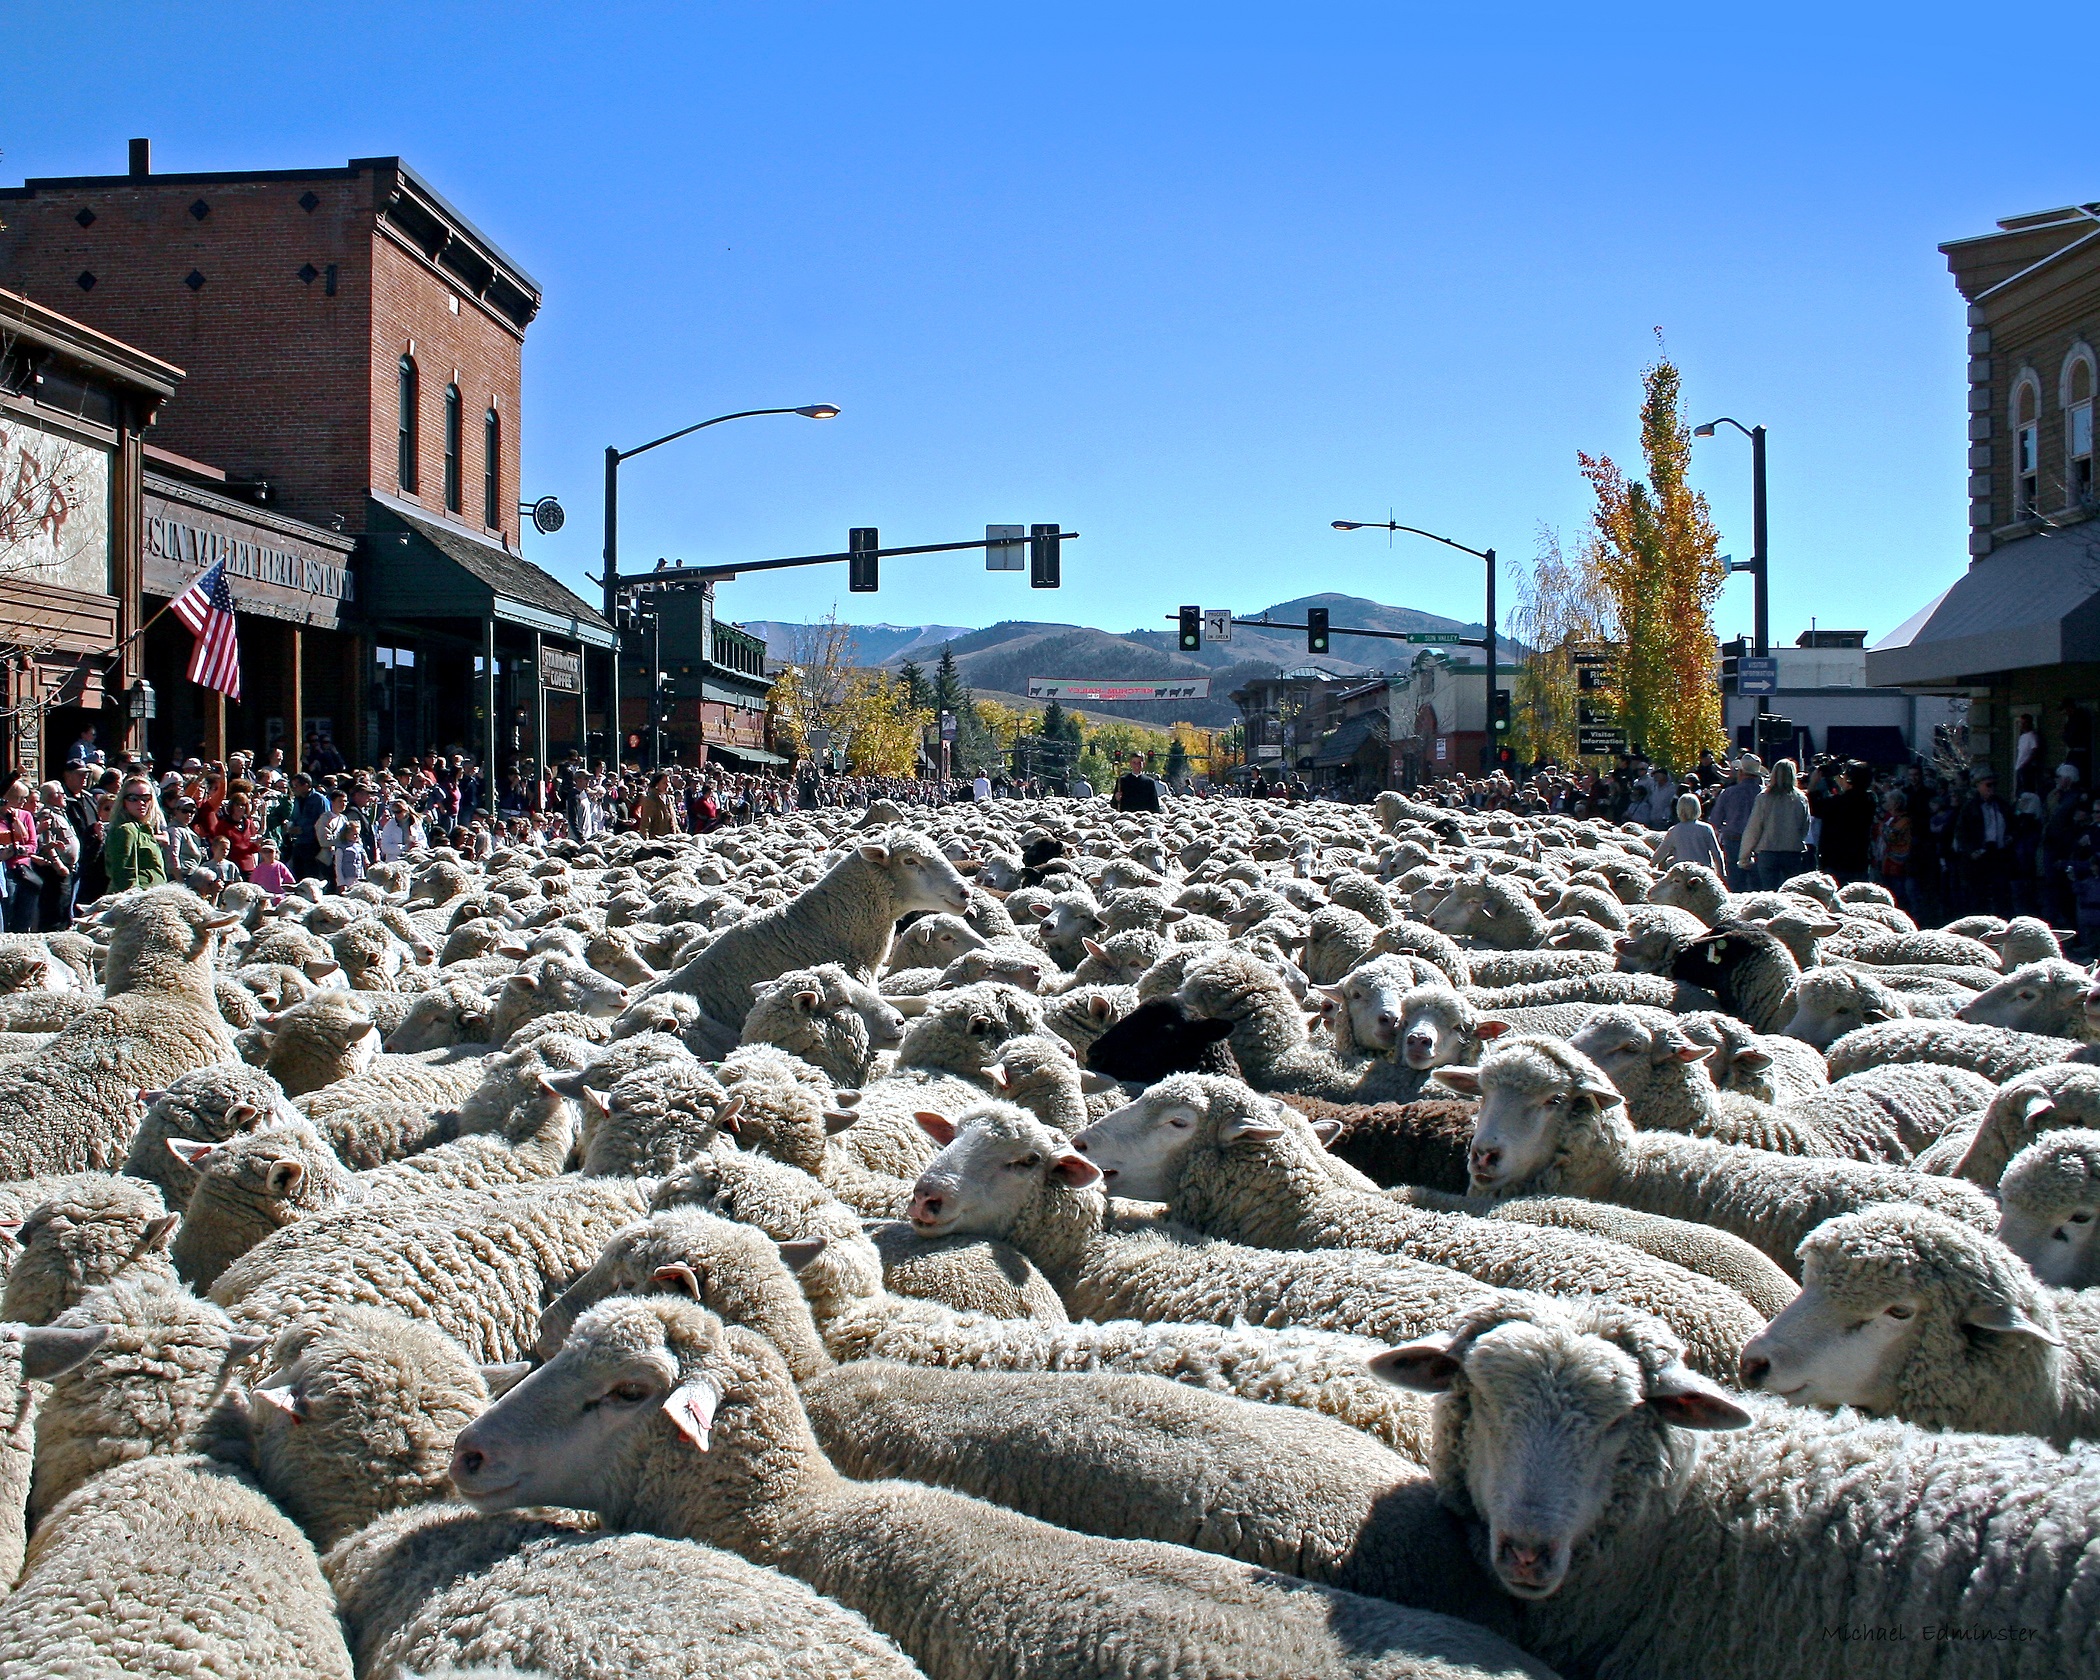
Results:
<point x="1037" y="1241"/>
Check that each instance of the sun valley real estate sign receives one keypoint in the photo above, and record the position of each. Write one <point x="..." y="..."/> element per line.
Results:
<point x="1060" y="688"/>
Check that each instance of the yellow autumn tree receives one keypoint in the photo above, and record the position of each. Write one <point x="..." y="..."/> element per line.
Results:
<point x="881" y="727"/>
<point x="1651" y="552"/>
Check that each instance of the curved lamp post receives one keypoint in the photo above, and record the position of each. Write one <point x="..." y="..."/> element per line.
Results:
<point x="613" y="457"/>
<point x="1487" y="752"/>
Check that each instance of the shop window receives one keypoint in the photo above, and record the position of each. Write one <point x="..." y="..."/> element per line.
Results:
<point x="2027" y="448"/>
<point x="2078" y="430"/>
<point x="407" y="438"/>
<point x="491" y="468"/>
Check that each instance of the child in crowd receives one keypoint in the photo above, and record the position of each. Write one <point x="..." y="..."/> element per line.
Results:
<point x="219" y="864"/>
<point x="269" y="874"/>
<point x="350" y="857"/>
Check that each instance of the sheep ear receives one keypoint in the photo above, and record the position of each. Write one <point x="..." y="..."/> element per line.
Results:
<point x="501" y="1379"/>
<point x="49" y="1350"/>
<point x="1073" y="1170"/>
<point x="908" y="1006"/>
<point x="239" y="1348"/>
<point x="1424" y="1367"/>
<point x="287" y="1400"/>
<point x="874" y="853"/>
<point x="368" y="1027"/>
<point x="797" y="1254"/>
<point x="2034" y="1106"/>
<point x="284" y="1178"/>
<point x="680" y="1276"/>
<point x="596" y="1100"/>
<point x="10" y="1230"/>
<point x="1094" y="1084"/>
<point x="998" y="1075"/>
<point x="148" y="1098"/>
<point x="157" y="1233"/>
<point x="1680" y="1396"/>
<point x="1094" y="948"/>
<point x="512" y="948"/>
<point x="1622" y="944"/>
<point x="1490" y="1029"/>
<point x="691" y="1405"/>
<point x="1249" y="1128"/>
<point x="836" y="1120"/>
<point x="1874" y="1013"/>
<point x="1327" y="1131"/>
<point x="319" y="968"/>
<point x="1755" y="1061"/>
<point x="1687" y="1051"/>
<point x="846" y="1097"/>
<point x="730" y="1115"/>
<point x="806" y="1002"/>
<point x="1333" y="994"/>
<point x="1600" y="1089"/>
<point x="1464" y="1082"/>
<point x="1098" y="1007"/>
<point x="188" y="1151"/>
<point x="936" y="1126"/>
<point x="524" y="982"/>
<point x="1173" y="915"/>
<point x="2004" y="1318"/>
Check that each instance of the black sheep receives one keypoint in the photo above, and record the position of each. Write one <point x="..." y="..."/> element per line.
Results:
<point x="1160" y="1037"/>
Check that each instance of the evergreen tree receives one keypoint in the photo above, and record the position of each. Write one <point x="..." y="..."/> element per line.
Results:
<point x="1052" y="727"/>
<point x="1177" y="762"/>
<point x="949" y="692"/>
<point x="913" y="676"/>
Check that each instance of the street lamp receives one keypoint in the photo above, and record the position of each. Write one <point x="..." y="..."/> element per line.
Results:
<point x="1487" y="752"/>
<point x="613" y="458"/>
<point x="1761" y="626"/>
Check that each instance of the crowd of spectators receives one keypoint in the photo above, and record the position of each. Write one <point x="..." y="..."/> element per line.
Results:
<point x="1946" y="841"/>
<point x="112" y="822"/>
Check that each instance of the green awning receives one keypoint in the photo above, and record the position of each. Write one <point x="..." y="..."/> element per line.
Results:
<point x="419" y="567"/>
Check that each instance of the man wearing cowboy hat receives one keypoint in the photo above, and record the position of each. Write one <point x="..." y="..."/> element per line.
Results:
<point x="1730" y="814"/>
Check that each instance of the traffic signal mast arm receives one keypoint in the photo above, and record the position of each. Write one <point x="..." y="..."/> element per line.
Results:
<point x="694" y="575"/>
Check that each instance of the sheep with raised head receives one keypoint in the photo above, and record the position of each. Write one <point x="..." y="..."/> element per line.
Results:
<point x="211" y="1105"/>
<point x="847" y="917"/>
<point x="1905" y="1314"/>
<point x="71" y="1107"/>
<point x="1647" y="1524"/>
<point x="80" y="1234"/>
<point x="1038" y="1599"/>
<point x="834" y="1021"/>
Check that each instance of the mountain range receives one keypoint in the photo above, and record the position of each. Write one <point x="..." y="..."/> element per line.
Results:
<point x="1000" y="660"/>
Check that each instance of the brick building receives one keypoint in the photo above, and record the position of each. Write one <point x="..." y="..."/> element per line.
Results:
<point x="2020" y="631"/>
<point x="354" y="350"/>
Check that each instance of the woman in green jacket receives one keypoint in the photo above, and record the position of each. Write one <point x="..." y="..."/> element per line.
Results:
<point x="131" y="852"/>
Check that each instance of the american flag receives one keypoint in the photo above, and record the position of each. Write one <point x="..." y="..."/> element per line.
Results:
<point x="207" y="608"/>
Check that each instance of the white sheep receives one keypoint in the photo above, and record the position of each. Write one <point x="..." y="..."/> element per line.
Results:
<point x="2049" y="1206"/>
<point x="1036" y="1597"/>
<point x="1647" y="1524"/>
<point x="1551" y="1122"/>
<point x="1905" y="1314"/>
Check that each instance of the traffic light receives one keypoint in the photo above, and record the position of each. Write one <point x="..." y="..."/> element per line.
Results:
<point x="1499" y="712"/>
<point x="1191" y="629"/>
<point x="1315" y="629"/>
<point x="1045" y="565"/>
<point x="864" y="568"/>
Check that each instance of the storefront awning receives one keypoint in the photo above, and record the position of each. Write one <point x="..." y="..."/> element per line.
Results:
<point x="743" y="755"/>
<point x="2036" y="601"/>
<point x="1345" y="743"/>
<point x="418" y="567"/>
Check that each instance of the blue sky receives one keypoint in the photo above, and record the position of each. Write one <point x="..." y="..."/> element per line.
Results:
<point x="1192" y="280"/>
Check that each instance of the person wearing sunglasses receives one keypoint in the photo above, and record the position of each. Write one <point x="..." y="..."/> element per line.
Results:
<point x="131" y="851"/>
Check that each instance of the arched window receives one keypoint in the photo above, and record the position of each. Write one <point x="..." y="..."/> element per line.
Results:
<point x="452" y="449"/>
<point x="491" y="469"/>
<point x="2078" y="428"/>
<point x="2027" y="447"/>
<point x="407" y="440"/>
